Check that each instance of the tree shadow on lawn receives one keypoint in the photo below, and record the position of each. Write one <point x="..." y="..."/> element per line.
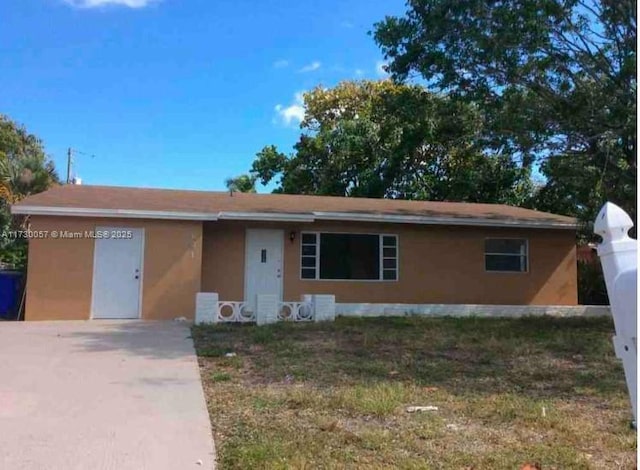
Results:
<point x="535" y="356"/>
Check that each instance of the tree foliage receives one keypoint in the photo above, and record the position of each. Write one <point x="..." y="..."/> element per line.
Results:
<point x="24" y="169"/>
<point x="555" y="81"/>
<point x="242" y="183"/>
<point x="383" y="139"/>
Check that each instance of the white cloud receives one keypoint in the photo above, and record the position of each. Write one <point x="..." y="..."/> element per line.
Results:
<point x="294" y="113"/>
<point x="359" y="72"/>
<point x="280" y="64"/>
<point x="347" y="24"/>
<point x="100" y="3"/>
<point x="315" y="65"/>
<point x="380" y="65"/>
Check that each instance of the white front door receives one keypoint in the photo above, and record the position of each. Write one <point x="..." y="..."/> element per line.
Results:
<point x="117" y="273"/>
<point x="263" y="264"/>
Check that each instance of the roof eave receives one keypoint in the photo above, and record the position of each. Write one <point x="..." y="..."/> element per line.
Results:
<point x="119" y="213"/>
<point x="435" y="220"/>
<point x="291" y="217"/>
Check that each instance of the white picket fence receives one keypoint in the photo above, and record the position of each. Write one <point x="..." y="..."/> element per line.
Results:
<point x="618" y="255"/>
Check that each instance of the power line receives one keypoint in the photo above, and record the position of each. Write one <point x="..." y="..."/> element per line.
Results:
<point x="70" y="153"/>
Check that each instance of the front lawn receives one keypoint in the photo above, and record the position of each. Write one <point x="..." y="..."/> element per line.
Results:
<point x="335" y="395"/>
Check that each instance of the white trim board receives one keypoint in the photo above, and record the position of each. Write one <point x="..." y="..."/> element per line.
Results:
<point x="119" y="213"/>
<point x="417" y="219"/>
<point x="266" y="216"/>
<point x="467" y="310"/>
<point x="288" y="217"/>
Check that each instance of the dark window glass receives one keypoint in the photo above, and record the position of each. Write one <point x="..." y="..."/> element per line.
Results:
<point x="308" y="273"/>
<point x="389" y="275"/>
<point x="389" y="241"/>
<point x="263" y="256"/>
<point x="308" y="262"/>
<point x="309" y="238"/>
<point x="505" y="263"/>
<point x="506" y="255"/>
<point x="389" y="263"/>
<point x="308" y="250"/>
<point x="499" y="246"/>
<point x="349" y="256"/>
<point x="389" y="252"/>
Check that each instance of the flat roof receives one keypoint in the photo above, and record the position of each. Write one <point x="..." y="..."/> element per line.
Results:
<point x="152" y="203"/>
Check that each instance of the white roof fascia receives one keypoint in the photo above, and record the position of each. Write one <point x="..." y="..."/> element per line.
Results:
<point x="288" y="217"/>
<point x="425" y="220"/>
<point x="123" y="213"/>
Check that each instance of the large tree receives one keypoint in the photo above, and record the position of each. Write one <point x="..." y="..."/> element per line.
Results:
<point x="555" y="81"/>
<point x="24" y="169"/>
<point x="383" y="139"/>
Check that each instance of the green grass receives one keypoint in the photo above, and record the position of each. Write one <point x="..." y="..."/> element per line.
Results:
<point x="220" y="377"/>
<point x="508" y="391"/>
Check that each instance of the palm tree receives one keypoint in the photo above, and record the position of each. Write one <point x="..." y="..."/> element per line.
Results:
<point x="5" y="180"/>
<point x="24" y="166"/>
<point x="242" y="184"/>
<point x="24" y="169"/>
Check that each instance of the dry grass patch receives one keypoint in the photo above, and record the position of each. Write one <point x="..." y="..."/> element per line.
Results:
<point x="508" y="391"/>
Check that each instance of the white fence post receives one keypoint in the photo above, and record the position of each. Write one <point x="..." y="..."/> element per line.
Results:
<point x="324" y="307"/>
<point x="618" y="256"/>
<point x="206" y="307"/>
<point x="267" y="309"/>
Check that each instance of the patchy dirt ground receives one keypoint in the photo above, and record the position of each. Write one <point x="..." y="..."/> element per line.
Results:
<point x="507" y="392"/>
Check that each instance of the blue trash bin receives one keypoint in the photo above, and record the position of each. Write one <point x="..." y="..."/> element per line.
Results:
<point x="10" y="283"/>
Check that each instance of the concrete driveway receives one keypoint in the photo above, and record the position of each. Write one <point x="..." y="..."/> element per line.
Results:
<point x="101" y="395"/>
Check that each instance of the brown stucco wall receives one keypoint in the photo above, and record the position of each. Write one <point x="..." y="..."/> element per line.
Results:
<point x="60" y="271"/>
<point x="437" y="264"/>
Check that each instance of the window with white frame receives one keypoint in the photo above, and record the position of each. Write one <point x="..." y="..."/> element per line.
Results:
<point x="349" y="256"/>
<point x="506" y="255"/>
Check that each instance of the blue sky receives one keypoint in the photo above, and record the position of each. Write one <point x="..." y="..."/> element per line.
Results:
<point x="175" y="93"/>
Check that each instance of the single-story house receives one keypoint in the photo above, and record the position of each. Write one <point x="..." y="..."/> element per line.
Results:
<point x="115" y="252"/>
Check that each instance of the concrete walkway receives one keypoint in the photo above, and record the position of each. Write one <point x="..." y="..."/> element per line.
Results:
<point x="101" y="395"/>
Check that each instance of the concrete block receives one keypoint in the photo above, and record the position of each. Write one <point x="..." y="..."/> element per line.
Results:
<point x="267" y="309"/>
<point x="324" y="307"/>
<point x="206" y="307"/>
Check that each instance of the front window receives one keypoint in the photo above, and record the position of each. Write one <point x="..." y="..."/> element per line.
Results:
<point x="505" y="255"/>
<point x="349" y="256"/>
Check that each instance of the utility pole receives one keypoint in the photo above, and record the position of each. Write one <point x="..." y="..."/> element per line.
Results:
<point x="69" y="154"/>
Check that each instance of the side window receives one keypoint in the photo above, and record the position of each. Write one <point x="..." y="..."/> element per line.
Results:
<point x="506" y="255"/>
